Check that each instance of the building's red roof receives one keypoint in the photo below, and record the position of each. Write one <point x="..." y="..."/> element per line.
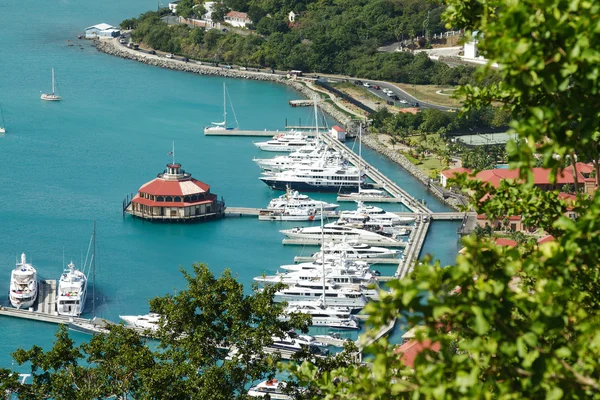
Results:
<point x="540" y="176"/>
<point x="162" y="187"/>
<point x="450" y="173"/>
<point x="545" y="239"/>
<point x="409" y="350"/>
<point x="510" y="218"/>
<point x="411" y="110"/>
<point x="338" y="129"/>
<point x="506" y="242"/>
<point x="237" y="14"/>
<point x="147" y="202"/>
<point x="584" y="168"/>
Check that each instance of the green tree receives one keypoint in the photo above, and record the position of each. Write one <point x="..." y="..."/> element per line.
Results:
<point x="198" y="327"/>
<point x="525" y="321"/>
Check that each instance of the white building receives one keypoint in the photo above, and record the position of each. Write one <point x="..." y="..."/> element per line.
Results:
<point x="101" y="31"/>
<point x="173" y="6"/>
<point x="470" y="50"/>
<point x="292" y="16"/>
<point x="238" y="19"/>
<point x="208" y="6"/>
<point x="338" y="133"/>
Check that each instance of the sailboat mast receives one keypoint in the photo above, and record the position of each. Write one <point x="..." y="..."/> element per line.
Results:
<point x="323" y="255"/>
<point x="52" y="80"/>
<point x="316" y="119"/>
<point x="224" y="107"/>
<point x="94" y="273"/>
<point x="2" y="115"/>
<point x="359" y="155"/>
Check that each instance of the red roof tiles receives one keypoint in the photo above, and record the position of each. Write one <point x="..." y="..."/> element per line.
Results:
<point x="338" y="129"/>
<point x="162" y="187"/>
<point x="506" y="242"/>
<point x="409" y="350"/>
<point x="450" y="173"/>
<point x="237" y="14"/>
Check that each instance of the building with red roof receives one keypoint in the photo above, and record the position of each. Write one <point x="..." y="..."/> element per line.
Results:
<point x="175" y="196"/>
<point x="337" y="132"/>
<point x="409" y="350"/>
<point x="451" y="173"/>
<point x="237" y="18"/>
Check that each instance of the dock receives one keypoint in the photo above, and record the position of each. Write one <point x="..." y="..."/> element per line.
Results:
<point x="317" y="242"/>
<point x="302" y="103"/>
<point x="241" y="212"/>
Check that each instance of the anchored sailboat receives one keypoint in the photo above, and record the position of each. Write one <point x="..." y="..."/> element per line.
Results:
<point x="222" y="126"/>
<point x="51" y="96"/>
<point x="3" y="126"/>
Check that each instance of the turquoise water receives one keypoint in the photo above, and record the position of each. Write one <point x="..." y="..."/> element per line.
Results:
<point x="66" y="164"/>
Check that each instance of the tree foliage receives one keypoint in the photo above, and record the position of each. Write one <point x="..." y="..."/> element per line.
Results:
<point x="522" y="322"/>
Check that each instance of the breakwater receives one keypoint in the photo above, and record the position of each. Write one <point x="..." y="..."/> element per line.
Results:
<point x="113" y="47"/>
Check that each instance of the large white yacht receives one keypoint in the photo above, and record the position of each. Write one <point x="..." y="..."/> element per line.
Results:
<point x="336" y="232"/>
<point x="286" y="142"/>
<point x="355" y="250"/>
<point x="333" y="317"/>
<point x="336" y="273"/>
<point x="295" y="344"/>
<point x="149" y="321"/>
<point x="272" y="388"/>
<point x="294" y="199"/>
<point x="23" y="284"/>
<point x="344" y="296"/>
<point x="72" y="292"/>
<point x="306" y="154"/>
<point x="320" y="178"/>
<point x="376" y="216"/>
<point x="367" y="194"/>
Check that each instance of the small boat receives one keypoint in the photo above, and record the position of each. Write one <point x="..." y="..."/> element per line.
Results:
<point x="91" y="327"/>
<point x="149" y="321"/>
<point x="3" y="126"/>
<point x="51" y="96"/>
<point x="72" y="292"/>
<point x="222" y="126"/>
<point x="23" y="284"/>
<point x="272" y="388"/>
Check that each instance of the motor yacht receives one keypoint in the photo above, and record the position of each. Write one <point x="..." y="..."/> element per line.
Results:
<point x="23" y="284"/>
<point x="149" y="321"/>
<point x="355" y="250"/>
<point x="367" y="194"/>
<point x="323" y="315"/>
<point x="72" y="292"/>
<point x="337" y="232"/>
<point x="296" y="344"/>
<point x="344" y="296"/>
<point x="286" y="142"/>
<point x="294" y="199"/>
<point x="320" y="178"/>
<point x="376" y="216"/>
<point x="272" y="388"/>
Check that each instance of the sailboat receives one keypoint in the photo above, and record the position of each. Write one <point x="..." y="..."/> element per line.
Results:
<point x="51" y="96"/>
<point x="222" y="126"/>
<point x="3" y="126"/>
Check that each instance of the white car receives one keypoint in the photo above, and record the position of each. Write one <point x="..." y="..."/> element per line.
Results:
<point x="389" y="93"/>
<point x="403" y="101"/>
<point x="386" y="90"/>
<point x="367" y="84"/>
<point x="170" y="55"/>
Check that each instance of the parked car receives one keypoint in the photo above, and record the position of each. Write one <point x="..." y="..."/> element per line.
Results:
<point x="403" y="101"/>
<point x="185" y="59"/>
<point x="389" y="93"/>
<point x="417" y="105"/>
<point x="199" y="62"/>
<point x="243" y="69"/>
<point x="152" y="52"/>
<point x="395" y="97"/>
<point x="390" y="102"/>
<point x="376" y="87"/>
<point x="227" y="66"/>
<point x="358" y="82"/>
<point x="123" y="41"/>
<point x="169" y="55"/>
<point x="136" y="46"/>
<point x="367" y="84"/>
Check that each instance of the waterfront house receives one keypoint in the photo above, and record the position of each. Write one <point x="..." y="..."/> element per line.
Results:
<point x="174" y="196"/>
<point x="237" y="19"/>
<point x="338" y="133"/>
<point x="102" y="31"/>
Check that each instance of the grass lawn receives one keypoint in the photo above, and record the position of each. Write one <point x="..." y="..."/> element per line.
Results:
<point x="428" y="94"/>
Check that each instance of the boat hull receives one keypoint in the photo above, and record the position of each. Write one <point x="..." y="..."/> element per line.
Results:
<point x="308" y="187"/>
<point x="50" y="97"/>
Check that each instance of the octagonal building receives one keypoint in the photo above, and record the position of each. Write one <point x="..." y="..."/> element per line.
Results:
<point x="175" y="196"/>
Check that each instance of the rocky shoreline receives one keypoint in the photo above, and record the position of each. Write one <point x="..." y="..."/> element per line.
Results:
<point x="112" y="47"/>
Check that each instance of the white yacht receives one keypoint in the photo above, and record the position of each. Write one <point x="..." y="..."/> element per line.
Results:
<point x="302" y="155"/>
<point x="286" y="142"/>
<point x="23" y="284"/>
<point x="272" y="388"/>
<point x="72" y="292"/>
<point x="315" y="178"/>
<point x="295" y="344"/>
<point x="288" y="214"/>
<point x="335" y="295"/>
<point x="336" y="232"/>
<point x="333" y="317"/>
<point x="355" y="250"/>
<point x="337" y="274"/>
<point x="51" y="96"/>
<point x="367" y="194"/>
<point x="149" y="321"/>
<point x="222" y="126"/>
<point x="376" y="216"/>
<point x="294" y="199"/>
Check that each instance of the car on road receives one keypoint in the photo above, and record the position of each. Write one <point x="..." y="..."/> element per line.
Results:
<point x="123" y="41"/>
<point x="169" y="55"/>
<point x="199" y="62"/>
<point x="386" y="90"/>
<point x="389" y="93"/>
<point x="185" y="59"/>
<point x="395" y="97"/>
<point x="367" y="84"/>
<point x="358" y="82"/>
<point x="403" y="101"/>
<point x="152" y="52"/>
<point x="227" y="66"/>
<point x="376" y="87"/>
<point x="416" y="105"/>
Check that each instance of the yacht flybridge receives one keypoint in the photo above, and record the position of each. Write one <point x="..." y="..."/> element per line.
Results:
<point x="72" y="292"/>
<point x="23" y="284"/>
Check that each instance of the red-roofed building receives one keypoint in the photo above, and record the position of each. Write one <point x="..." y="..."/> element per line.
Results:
<point x="451" y="173"/>
<point x="546" y="239"/>
<point x="409" y="350"/>
<point x="238" y="19"/>
<point x="337" y="132"/>
<point x="506" y="242"/>
<point x="541" y="178"/>
<point x="175" y="196"/>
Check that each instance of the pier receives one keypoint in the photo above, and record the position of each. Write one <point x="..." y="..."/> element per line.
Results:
<point x="301" y="103"/>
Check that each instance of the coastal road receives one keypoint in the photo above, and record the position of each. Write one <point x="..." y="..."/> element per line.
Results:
<point x="404" y="98"/>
